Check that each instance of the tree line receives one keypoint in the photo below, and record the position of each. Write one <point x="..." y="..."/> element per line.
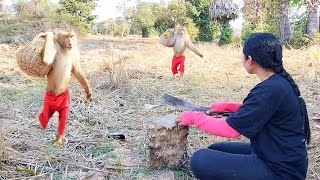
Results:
<point x="295" y="22"/>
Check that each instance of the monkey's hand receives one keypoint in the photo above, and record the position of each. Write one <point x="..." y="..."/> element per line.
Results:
<point x="89" y="94"/>
<point x="201" y="55"/>
<point x="46" y="34"/>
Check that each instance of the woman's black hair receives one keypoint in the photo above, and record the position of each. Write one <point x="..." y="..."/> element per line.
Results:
<point x="266" y="50"/>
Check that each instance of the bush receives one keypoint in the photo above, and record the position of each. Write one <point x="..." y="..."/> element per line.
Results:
<point x="99" y="28"/>
<point x="16" y="31"/>
<point x="237" y="42"/>
<point x="226" y="35"/>
<point x="193" y="31"/>
<point x="162" y="24"/>
<point x="31" y="9"/>
<point x="216" y="30"/>
<point x="118" y="30"/>
<point x="299" y="41"/>
<point x="316" y="38"/>
<point x="247" y="30"/>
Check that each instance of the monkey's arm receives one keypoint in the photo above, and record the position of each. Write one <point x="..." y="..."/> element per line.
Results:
<point x="191" y="46"/>
<point x="50" y="50"/>
<point x="80" y="76"/>
<point x="168" y="42"/>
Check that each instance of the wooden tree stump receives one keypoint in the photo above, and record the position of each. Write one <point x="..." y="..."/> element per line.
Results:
<point x="167" y="143"/>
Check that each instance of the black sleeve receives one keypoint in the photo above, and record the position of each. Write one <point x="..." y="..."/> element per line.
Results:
<point x="257" y="109"/>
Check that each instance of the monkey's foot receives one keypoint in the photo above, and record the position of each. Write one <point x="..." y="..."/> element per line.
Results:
<point x="61" y="141"/>
<point x="58" y="144"/>
<point x="177" y="77"/>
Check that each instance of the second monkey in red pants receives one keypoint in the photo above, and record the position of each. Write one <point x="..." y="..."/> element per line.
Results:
<point x="61" y="51"/>
<point x="179" y="40"/>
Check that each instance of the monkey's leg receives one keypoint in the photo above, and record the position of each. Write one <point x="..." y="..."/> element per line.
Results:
<point x="181" y="66"/>
<point x="174" y="67"/>
<point x="63" y="118"/>
<point x="181" y="74"/>
<point x="45" y="115"/>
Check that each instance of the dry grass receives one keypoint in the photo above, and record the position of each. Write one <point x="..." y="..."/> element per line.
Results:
<point x="126" y="75"/>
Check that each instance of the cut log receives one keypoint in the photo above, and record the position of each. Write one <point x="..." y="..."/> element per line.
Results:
<point x="167" y="143"/>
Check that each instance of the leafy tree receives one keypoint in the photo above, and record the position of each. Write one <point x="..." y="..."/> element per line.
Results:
<point x="178" y="12"/>
<point x="255" y="12"/>
<point x="32" y="9"/>
<point x="198" y="11"/>
<point x="272" y="16"/>
<point x="285" y="31"/>
<point x="118" y="27"/>
<point x="226" y="35"/>
<point x="260" y="15"/>
<point x="269" y="15"/>
<point x="223" y="11"/>
<point x="313" y="16"/>
<point x="105" y="27"/>
<point x="144" y="18"/>
<point x="192" y="29"/>
<point x="126" y="14"/>
<point x="163" y="20"/>
<point x="173" y="17"/>
<point x="78" y="13"/>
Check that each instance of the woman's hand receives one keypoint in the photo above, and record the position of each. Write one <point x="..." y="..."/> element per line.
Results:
<point x="179" y="120"/>
<point x="210" y="111"/>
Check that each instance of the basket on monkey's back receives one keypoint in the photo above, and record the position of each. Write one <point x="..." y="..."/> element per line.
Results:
<point x="166" y="38"/>
<point x="30" y="58"/>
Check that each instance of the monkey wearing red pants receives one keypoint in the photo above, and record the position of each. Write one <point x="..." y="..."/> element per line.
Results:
<point x="62" y="52"/>
<point x="179" y="40"/>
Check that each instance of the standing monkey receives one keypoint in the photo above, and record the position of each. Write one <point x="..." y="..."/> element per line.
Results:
<point x="61" y="50"/>
<point x="179" y="40"/>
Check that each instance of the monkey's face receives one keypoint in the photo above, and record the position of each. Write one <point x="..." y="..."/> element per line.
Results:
<point x="66" y="40"/>
<point x="181" y="31"/>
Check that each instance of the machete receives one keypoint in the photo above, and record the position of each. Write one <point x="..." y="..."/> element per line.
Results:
<point x="188" y="106"/>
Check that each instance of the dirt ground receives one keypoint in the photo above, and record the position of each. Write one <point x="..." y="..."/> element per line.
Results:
<point x="128" y="77"/>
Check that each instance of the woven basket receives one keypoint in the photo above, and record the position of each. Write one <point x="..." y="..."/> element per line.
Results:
<point x="30" y="58"/>
<point x="164" y="39"/>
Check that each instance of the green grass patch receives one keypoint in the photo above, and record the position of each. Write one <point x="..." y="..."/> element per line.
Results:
<point x="137" y="173"/>
<point x="181" y="174"/>
<point x="101" y="150"/>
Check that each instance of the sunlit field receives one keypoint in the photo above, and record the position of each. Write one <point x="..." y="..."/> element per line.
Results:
<point x="127" y="76"/>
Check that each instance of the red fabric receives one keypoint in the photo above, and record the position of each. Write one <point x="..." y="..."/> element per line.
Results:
<point x="226" y="107"/>
<point x="53" y="103"/>
<point x="176" y="61"/>
<point x="215" y="126"/>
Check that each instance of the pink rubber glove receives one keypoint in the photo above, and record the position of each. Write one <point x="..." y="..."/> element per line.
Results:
<point x="225" y="107"/>
<point x="215" y="126"/>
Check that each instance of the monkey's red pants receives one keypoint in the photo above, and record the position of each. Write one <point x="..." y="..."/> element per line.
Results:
<point x="53" y="103"/>
<point x="176" y="61"/>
